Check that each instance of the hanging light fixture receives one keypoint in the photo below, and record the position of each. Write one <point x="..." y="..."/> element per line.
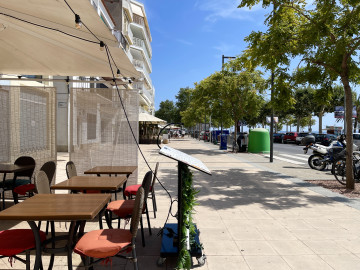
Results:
<point x="118" y="73"/>
<point x="102" y="45"/>
<point x="78" y="22"/>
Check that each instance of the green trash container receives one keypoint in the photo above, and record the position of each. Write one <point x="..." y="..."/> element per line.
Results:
<point x="259" y="141"/>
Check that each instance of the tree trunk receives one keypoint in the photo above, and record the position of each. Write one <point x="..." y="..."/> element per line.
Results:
<point x="355" y="124"/>
<point x="298" y="125"/>
<point x="350" y="183"/>
<point x="235" y="132"/>
<point x="320" y="121"/>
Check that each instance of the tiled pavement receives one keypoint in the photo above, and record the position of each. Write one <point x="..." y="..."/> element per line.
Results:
<point x="250" y="215"/>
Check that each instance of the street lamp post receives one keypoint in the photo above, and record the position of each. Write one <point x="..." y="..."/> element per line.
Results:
<point x="222" y="67"/>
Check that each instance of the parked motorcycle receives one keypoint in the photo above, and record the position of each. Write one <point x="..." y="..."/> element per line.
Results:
<point x="324" y="155"/>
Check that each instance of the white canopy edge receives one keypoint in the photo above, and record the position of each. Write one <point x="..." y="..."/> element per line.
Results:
<point x="32" y="50"/>
<point x="144" y="117"/>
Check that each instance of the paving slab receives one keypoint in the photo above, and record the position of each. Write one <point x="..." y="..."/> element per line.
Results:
<point x="251" y="214"/>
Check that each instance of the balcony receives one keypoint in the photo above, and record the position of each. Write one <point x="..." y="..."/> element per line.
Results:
<point x="141" y="32"/>
<point x="138" y="44"/>
<point x="144" y="93"/>
<point x="140" y="20"/>
<point x="121" y="38"/>
<point x="139" y="65"/>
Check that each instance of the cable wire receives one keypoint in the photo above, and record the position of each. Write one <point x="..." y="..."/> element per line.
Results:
<point x="49" y="28"/>
<point x="109" y="57"/>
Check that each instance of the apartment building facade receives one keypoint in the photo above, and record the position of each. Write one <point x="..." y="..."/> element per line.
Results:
<point x="133" y="32"/>
<point x="86" y="117"/>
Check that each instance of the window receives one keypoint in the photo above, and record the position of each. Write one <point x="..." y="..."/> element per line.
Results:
<point x="33" y="120"/>
<point x="91" y="126"/>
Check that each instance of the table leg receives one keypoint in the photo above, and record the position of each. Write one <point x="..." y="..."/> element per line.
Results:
<point x="15" y="195"/>
<point x="100" y="218"/>
<point x="70" y="244"/>
<point x="38" y="262"/>
<point x="52" y="256"/>
<point x="124" y="187"/>
<point x="3" y="191"/>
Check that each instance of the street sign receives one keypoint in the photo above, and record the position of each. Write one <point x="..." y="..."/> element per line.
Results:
<point x="268" y="119"/>
<point x="340" y="112"/>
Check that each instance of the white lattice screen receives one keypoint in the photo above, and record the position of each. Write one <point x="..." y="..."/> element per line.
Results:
<point x="99" y="131"/>
<point x="27" y="123"/>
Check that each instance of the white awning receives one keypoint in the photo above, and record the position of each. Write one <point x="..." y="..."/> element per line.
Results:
<point x="32" y="50"/>
<point x="144" y="117"/>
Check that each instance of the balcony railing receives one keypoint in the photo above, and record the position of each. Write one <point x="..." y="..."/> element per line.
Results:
<point x="120" y="37"/>
<point x="140" y="65"/>
<point x="140" y="20"/>
<point x="140" y="43"/>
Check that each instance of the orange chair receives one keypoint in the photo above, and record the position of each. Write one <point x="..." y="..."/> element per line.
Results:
<point x="123" y="208"/>
<point x="107" y="243"/>
<point x="130" y="191"/>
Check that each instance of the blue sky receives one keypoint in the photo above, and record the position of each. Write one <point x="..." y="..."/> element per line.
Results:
<point x="190" y="37"/>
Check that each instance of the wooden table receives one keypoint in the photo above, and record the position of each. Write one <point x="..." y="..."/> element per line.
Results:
<point x="11" y="168"/>
<point x="79" y="183"/>
<point x="113" y="170"/>
<point x="98" y="170"/>
<point x="56" y="207"/>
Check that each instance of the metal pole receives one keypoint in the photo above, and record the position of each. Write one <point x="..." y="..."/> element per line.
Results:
<point x="272" y="120"/>
<point x="222" y="67"/>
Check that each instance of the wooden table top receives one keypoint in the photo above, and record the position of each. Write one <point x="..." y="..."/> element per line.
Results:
<point x="10" y="168"/>
<point x="111" y="170"/>
<point x="68" y="207"/>
<point x="86" y="182"/>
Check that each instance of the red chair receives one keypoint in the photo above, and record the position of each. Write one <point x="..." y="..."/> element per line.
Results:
<point x="123" y="208"/>
<point x="17" y="241"/>
<point x="20" y="178"/>
<point x="49" y="168"/>
<point x="130" y="191"/>
<point x="107" y="243"/>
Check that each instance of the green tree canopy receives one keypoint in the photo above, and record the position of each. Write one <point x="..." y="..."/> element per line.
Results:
<point x="167" y="111"/>
<point x="323" y="34"/>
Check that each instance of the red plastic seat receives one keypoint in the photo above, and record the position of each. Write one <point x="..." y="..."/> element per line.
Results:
<point x="13" y="242"/>
<point x="23" y="189"/>
<point x="130" y="191"/>
<point x="16" y="241"/>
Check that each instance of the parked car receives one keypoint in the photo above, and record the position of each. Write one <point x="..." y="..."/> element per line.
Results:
<point x="278" y="137"/>
<point x="300" y="136"/>
<point x="204" y="135"/>
<point x="325" y="139"/>
<point x="290" y="137"/>
<point x="356" y="139"/>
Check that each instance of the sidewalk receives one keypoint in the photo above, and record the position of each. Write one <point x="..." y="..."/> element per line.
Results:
<point x="251" y="214"/>
<point x="254" y="216"/>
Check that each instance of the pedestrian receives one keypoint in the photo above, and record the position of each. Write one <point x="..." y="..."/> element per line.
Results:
<point x="238" y="140"/>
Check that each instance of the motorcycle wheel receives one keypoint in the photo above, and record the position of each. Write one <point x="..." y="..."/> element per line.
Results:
<point x="316" y="163"/>
<point x="339" y="170"/>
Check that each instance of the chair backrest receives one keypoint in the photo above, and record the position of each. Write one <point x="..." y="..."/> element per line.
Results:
<point x="137" y="211"/>
<point x="146" y="183"/>
<point x="154" y="177"/>
<point x="70" y="169"/>
<point x="25" y="161"/>
<point x="42" y="183"/>
<point x="49" y="168"/>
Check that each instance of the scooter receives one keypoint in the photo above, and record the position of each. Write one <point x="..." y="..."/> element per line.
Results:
<point x="324" y="155"/>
